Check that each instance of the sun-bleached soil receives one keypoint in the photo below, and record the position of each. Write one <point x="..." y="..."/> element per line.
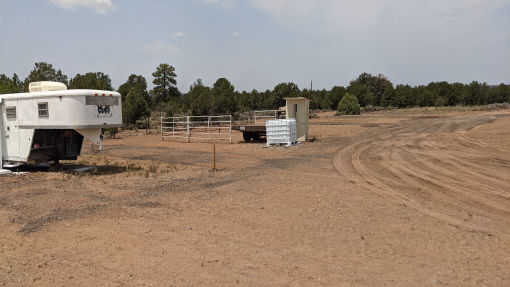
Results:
<point x="400" y="198"/>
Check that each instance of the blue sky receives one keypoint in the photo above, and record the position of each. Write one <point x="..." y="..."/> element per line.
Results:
<point x="259" y="43"/>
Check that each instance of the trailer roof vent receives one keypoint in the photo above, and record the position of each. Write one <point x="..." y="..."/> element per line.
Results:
<point x="46" y="87"/>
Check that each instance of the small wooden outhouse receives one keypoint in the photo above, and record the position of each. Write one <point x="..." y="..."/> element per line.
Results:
<point x="298" y="108"/>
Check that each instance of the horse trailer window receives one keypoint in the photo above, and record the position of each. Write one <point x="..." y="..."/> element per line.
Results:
<point x="43" y="110"/>
<point x="11" y="113"/>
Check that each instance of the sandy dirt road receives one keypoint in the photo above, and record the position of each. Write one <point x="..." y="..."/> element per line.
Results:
<point x="452" y="169"/>
<point x="407" y="198"/>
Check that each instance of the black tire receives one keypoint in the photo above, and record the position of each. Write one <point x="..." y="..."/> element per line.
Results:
<point x="247" y="137"/>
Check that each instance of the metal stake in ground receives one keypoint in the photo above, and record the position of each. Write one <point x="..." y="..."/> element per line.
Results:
<point x="213" y="157"/>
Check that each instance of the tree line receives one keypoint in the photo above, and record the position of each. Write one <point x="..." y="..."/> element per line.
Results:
<point x="223" y="98"/>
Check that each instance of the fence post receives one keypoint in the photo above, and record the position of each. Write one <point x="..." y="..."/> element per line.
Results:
<point x="208" y="126"/>
<point x="188" y="130"/>
<point x="161" y="127"/>
<point x="148" y="126"/>
<point x="214" y="157"/>
<point x="230" y="130"/>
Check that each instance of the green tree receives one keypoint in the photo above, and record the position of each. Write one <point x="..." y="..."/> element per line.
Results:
<point x="200" y="99"/>
<point x="282" y="91"/>
<point x="349" y="105"/>
<point x="5" y="84"/>
<point x="429" y="97"/>
<point x="137" y="82"/>
<point x="165" y="85"/>
<point x="135" y="106"/>
<point x="476" y="94"/>
<point x="137" y="86"/>
<point x="319" y="99"/>
<point x="43" y="71"/>
<point x="441" y="102"/>
<point x="497" y="94"/>
<point x="506" y="92"/>
<point x="402" y="96"/>
<point x="17" y="84"/>
<point x="8" y="85"/>
<point x="419" y="96"/>
<point x="224" y="96"/>
<point x="362" y="92"/>
<point x="335" y="96"/>
<point x="372" y="90"/>
<point x="93" y="81"/>
<point x="457" y="96"/>
<point x="245" y="101"/>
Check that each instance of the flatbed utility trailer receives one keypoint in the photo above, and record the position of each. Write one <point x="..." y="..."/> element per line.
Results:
<point x="251" y="131"/>
<point x="253" y="126"/>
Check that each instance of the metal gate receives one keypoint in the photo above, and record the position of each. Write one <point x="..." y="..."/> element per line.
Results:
<point x="197" y="128"/>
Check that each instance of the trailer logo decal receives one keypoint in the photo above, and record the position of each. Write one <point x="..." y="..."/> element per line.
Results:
<point x="104" y="111"/>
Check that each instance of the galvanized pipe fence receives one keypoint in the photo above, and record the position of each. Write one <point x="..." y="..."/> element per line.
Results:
<point x="199" y="128"/>
<point x="263" y="116"/>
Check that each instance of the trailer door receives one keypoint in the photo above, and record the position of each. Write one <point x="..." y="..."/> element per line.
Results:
<point x="2" y="138"/>
<point x="10" y="130"/>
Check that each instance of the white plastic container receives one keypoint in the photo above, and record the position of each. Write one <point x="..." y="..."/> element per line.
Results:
<point x="281" y="132"/>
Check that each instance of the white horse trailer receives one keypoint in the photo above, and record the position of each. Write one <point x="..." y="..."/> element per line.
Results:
<point x="49" y="123"/>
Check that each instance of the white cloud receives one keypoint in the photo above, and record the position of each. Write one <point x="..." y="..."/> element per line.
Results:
<point x="236" y="34"/>
<point x="336" y="15"/>
<point x="101" y="6"/>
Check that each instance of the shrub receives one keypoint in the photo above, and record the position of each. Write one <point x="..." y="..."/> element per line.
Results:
<point x="349" y="105"/>
<point x="112" y="132"/>
<point x="441" y="102"/>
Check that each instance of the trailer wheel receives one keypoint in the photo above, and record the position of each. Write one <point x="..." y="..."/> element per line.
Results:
<point x="247" y="136"/>
<point x="251" y="136"/>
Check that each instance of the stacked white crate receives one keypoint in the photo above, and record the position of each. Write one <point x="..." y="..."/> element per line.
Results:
<point x="281" y="132"/>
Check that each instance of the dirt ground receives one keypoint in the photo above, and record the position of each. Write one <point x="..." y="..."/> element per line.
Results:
<point x="401" y="198"/>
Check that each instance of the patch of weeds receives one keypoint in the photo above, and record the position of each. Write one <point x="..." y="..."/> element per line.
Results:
<point x="153" y="167"/>
<point x="131" y="166"/>
<point x="57" y="216"/>
<point x="147" y="205"/>
<point x="66" y="176"/>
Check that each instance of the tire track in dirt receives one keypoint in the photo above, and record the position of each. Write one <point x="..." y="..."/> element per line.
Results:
<point x="435" y="167"/>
